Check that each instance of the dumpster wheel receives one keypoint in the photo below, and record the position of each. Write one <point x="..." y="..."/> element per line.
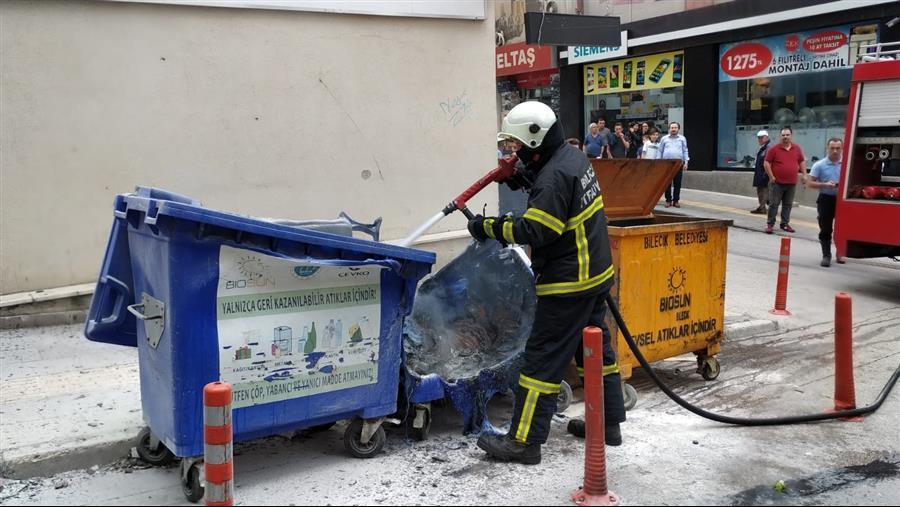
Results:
<point x="191" y="485"/>
<point x="708" y="367"/>
<point x="353" y="440"/>
<point x="630" y="394"/>
<point x="151" y="450"/>
<point x="421" y="418"/>
<point x="565" y="397"/>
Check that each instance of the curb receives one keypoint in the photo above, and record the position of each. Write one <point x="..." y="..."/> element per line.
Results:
<point x="742" y="330"/>
<point x="49" y="464"/>
<point x="43" y="319"/>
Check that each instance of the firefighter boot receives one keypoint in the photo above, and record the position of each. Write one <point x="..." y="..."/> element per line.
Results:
<point x="613" y="432"/>
<point x="505" y="449"/>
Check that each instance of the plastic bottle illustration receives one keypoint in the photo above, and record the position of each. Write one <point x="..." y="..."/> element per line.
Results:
<point x="311" y="340"/>
<point x="329" y="338"/>
<point x="301" y="343"/>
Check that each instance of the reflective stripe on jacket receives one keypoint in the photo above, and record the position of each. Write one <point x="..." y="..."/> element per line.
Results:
<point x="566" y="227"/>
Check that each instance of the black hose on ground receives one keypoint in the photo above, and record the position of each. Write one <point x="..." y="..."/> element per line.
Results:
<point x="744" y="421"/>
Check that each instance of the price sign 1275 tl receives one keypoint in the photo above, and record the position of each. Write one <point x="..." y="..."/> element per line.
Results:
<point x="746" y="60"/>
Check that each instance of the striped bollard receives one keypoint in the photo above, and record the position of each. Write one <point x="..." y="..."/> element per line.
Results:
<point x="217" y="453"/>
<point x="784" y="264"/>
<point x="594" y="491"/>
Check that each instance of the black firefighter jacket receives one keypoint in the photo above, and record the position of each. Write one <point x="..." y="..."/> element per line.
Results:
<point x="566" y="228"/>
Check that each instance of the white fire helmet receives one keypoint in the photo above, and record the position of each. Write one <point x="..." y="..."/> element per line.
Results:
<point x="528" y="123"/>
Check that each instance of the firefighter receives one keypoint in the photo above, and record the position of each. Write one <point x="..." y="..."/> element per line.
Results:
<point x="566" y="227"/>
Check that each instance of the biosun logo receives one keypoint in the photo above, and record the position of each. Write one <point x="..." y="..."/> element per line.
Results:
<point x="254" y="273"/>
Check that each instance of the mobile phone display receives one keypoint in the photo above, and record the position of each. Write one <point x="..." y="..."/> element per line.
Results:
<point x="640" y="72"/>
<point x="626" y="75"/>
<point x="660" y="70"/>
<point x="590" y="79"/>
<point x="601" y="78"/>
<point x="614" y="76"/>
<point x="676" y="69"/>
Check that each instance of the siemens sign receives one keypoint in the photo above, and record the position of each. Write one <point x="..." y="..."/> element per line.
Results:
<point x="581" y="54"/>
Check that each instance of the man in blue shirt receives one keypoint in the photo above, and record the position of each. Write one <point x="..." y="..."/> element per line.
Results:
<point x="825" y="175"/>
<point x="674" y="146"/>
<point x="595" y="142"/>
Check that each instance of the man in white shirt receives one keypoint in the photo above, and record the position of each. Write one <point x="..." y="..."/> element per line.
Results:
<point x="674" y="147"/>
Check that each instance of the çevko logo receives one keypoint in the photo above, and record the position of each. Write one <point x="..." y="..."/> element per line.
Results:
<point x="351" y="272"/>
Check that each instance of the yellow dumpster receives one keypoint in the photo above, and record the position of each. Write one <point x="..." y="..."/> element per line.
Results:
<point x="670" y="269"/>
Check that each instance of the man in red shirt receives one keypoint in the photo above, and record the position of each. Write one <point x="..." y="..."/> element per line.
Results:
<point x="783" y="163"/>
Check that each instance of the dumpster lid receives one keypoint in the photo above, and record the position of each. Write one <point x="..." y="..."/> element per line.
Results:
<point x="632" y="187"/>
<point x="157" y="202"/>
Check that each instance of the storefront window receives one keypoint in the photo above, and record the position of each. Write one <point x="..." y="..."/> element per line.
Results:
<point x="814" y="105"/>
<point x="638" y="89"/>
<point x="800" y="79"/>
<point x="658" y="107"/>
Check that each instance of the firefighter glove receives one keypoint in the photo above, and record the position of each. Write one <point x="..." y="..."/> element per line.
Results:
<point x="479" y="227"/>
<point x="482" y="228"/>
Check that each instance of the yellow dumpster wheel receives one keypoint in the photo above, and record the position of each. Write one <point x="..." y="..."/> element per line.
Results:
<point x="565" y="397"/>
<point x="630" y="394"/>
<point x="708" y="367"/>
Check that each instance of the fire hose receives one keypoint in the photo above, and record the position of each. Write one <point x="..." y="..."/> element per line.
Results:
<point x="743" y="421"/>
<point x="503" y="171"/>
<point x="507" y="168"/>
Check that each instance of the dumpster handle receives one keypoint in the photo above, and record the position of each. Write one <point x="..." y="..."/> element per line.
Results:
<point x="133" y="309"/>
<point x="152" y="312"/>
<point x="109" y="283"/>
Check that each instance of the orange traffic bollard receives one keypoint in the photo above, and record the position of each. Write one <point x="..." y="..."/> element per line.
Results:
<point x="218" y="451"/>
<point x="784" y="263"/>
<point x="594" y="491"/>
<point x="844" y="387"/>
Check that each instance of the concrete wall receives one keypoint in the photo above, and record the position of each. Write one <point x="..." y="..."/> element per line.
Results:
<point x="269" y="113"/>
<point x="635" y="10"/>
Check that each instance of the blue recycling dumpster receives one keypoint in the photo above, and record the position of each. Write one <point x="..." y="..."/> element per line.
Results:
<point x="305" y="325"/>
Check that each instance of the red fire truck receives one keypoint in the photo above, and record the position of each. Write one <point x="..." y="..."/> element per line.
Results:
<point x="867" y="218"/>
